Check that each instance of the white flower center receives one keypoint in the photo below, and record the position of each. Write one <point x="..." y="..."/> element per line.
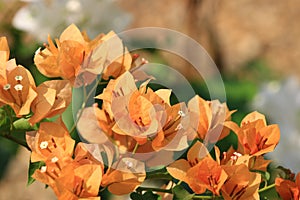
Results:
<point x="38" y="51"/>
<point x="18" y="78"/>
<point x="18" y="87"/>
<point x="129" y="164"/>
<point x="179" y="127"/>
<point x="181" y="113"/>
<point x="235" y="156"/>
<point x="43" y="169"/>
<point x="54" y="159"/>
<point x="6" y="87"/>
<point x="44" y="145"/>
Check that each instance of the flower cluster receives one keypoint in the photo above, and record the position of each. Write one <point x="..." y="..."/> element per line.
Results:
<point x="133" y="132"/>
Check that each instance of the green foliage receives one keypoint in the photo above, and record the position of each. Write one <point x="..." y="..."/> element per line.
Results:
<point x="181" y="194"/>
<point x="146" y="196"/>
<point x="4" y="119"/>
<point x="32" y="167"/>
<point x="269" y="194"/>
<point x="22" y="124"/>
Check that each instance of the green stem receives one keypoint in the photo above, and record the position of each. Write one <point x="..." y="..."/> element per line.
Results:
<point x="266" y="188"/>
<point x="135" y="148"/>
<point x="203" y="197"/>
<point x="7" y="135"/>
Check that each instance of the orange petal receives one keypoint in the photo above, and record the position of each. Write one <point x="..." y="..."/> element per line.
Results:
<point x="42" y="104"/>
<point x="178" y="169"/>
<point x="251" y="117"/>
<point x="88" y="127"/>
<point x="118" y="58"/>
<point x="72" y="33"/>
<point x="196" y="153"/>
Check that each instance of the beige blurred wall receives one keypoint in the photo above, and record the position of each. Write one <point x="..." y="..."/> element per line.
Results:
<point x="234" y="32"/>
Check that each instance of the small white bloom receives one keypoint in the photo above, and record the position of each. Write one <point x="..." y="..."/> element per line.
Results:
<point x="54" y="159"/>
<point x="44" y="145"/>
<point x="129" y="164"/>
<point x="18" y="78"/>
<point x="179" y="127"/>
<point x="18" y="87"/>
<point x="181" y="113"/>
<point x="38" y="51"/>
<point x="6" y="87"/>
<point x="237" y="154"/>
<point x="43" y="169"/>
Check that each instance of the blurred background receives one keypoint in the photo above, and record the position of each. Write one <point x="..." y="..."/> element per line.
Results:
<point x="255" y="45"/>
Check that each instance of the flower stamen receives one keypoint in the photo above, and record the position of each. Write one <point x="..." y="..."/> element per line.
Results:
<point x="44" y="145"/>
<point x="6" y="87"/>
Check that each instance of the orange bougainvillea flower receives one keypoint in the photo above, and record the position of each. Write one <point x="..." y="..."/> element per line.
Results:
<point x="144" y="114"/>
<point x="207" y="173"/>
<point x="4" y="56"/>
<point x="77" y="178"/>
<point x="17" y="87"/>
<point x="73" y="55"/>
<point x="124" y="176"/>
<point x="72" y="181"/>
<point x="288" y="189"/>
<point x="254" y="136"/>
<point x="241" y="183"/>
<point x="118" y="58"/>
<point x="199" y="171"/>
<point x="65" y="59"/>
<point x="52" y="99"/>
<point x="173" y="135"/>
<point x="231" y="157"/>
<point x="50" y="137"/>
<point x="88" y="126"/>
<point x="79" y="181"/>
<point x="77" y="58"/>
<point x="208" y="118"/>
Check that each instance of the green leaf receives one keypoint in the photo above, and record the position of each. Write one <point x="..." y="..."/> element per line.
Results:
<point x="22" y="124"/>
<point x="136" y="196"/>
<point x="4" y="120"/>
<point x="149" y="195"/>
<point x="32" y="167"/>
<point x="264" y="174"/>
<point x="269" y="194"/>
<point x="181" y="194"/>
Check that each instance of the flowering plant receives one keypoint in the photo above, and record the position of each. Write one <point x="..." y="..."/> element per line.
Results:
<point x="130" y="135"/>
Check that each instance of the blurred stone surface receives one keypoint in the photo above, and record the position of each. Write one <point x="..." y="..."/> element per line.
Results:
<point x="233" y="32"/>
<point x="13" y="185"/>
